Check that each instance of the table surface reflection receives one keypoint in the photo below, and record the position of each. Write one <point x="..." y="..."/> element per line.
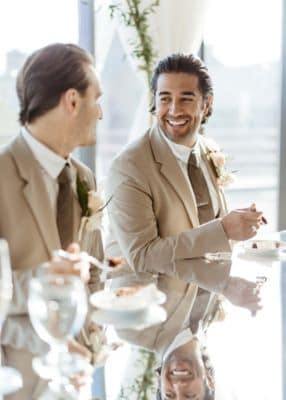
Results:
<point x="246" y="350"/>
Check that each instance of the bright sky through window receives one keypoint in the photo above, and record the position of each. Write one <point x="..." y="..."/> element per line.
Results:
<point x="26" y="25"/>
<point x="244" y="32"/>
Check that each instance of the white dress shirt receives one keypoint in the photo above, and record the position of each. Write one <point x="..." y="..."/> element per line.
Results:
<point x="51" y="165"/>
<point x="182" y="154"/>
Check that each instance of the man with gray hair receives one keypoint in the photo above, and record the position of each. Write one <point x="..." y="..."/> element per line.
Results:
<point x="41" y="205"/>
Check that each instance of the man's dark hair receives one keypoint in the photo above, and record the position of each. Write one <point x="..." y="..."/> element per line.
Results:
<point x="46" y="75"/>
<point x="184" y="63"/>
<point x="209" y="394"/>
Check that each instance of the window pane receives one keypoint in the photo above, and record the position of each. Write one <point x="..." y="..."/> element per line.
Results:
<point x="123" y="91"/>
<point x="24" y="27"/>
<point x="242" y="52"/>
<point x="123" y="97"/>
<point x="245" y="66"/>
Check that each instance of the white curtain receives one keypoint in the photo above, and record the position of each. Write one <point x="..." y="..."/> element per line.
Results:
<point x="175" y="26"/>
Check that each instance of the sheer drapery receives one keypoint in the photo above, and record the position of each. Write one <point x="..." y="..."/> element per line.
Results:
<point x="175" y="26"/>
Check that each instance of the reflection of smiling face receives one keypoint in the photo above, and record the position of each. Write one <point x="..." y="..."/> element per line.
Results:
<point x="179" y="106"/>
<point x="183" y="374"/>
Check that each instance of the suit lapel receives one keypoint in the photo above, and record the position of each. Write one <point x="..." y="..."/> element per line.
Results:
<point x="76" y="219"/>
<point x="204" y="152"/>
<point x="35" y="193"/>
<point x="171" y="170"/>
<point x="81" y="172"/>
<point x="76" y="205"/>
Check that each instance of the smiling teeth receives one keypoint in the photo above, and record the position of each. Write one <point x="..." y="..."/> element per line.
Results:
<point x="180" y="373"/>
<point x="177" y="122"/>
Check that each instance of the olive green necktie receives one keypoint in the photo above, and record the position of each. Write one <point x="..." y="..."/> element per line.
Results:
<point x="205" y="214"/>
<point x="65" y="207"/>
<point x="200" y="189"/>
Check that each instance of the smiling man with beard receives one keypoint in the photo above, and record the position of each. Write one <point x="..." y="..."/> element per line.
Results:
<point x="185" y="372"/>
<point x="168" y="208"/>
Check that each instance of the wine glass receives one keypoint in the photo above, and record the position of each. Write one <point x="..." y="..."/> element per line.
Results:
<point x="58" y="306"/>
<point x="10" y="379"/>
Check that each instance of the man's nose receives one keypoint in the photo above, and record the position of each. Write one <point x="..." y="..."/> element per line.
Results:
<point x="175" y="108"/>
<point x="178" y="388"/>
<point x="178" y="383"/>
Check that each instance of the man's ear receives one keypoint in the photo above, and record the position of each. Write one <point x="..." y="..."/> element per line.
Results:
<point x="71" y="101"/>
<point x="208" y="104"/>
<point x="158" y="372"/>
<point x="152" y="108"/>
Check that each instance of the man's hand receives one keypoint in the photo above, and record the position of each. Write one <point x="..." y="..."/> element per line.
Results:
<point x="115" y="262"/>
<point x="243" y="293"/>
<point x="74" y="266"/>
<point x="242" y="224"/>
<point x="84" y="378"/>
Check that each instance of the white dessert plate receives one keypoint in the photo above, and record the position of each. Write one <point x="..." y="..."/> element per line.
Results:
<point x="127" y="300"/>
<point x="152" y="315"/>
<point x="263" y="248"/>
<point x="218" y="257"/>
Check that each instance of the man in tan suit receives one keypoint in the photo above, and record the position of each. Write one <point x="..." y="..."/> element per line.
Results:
<point x="160" y="223"/>
<point x="40" y="210"/>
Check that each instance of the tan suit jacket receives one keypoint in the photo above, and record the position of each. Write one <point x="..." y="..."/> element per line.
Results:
<point x="28" y="223"/>
<point x="152" y="215"/>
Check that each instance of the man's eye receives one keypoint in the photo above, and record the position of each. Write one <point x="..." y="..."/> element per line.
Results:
<point x="169" y="396"/>
<point x="187" y="99"/>
<point x="164" y="99"/>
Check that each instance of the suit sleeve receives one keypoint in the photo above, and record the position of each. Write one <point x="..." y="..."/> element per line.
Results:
<point x="133" y="224"/>
<point x="17" y="330"/>
<point x="21" y="281"/>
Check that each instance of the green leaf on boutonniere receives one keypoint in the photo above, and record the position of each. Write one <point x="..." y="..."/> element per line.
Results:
<point x="82" y="194"/>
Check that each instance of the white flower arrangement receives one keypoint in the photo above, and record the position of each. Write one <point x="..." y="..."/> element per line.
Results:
<point x="93" y="220"/>
<point x="98" y="346"/>
<point x="218" y="162"/>
<point x="92" y="205"/>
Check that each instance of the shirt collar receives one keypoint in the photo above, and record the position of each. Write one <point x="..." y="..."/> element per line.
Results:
<point x="182" y="338"/>
<point x="50" y="161"/>
<point x="180" y="151"/>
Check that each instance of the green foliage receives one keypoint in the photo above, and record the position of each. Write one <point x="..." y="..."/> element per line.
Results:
<point x="144" y="384"/>
<point x="82" y="194"/>
<point x="137" y="17"/>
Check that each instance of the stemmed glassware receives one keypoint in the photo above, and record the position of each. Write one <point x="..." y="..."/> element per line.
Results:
<point x="10" y="379"/>
<point x="58" y="306"/>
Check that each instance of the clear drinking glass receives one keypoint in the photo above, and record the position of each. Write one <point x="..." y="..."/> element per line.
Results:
<point x="58" y="306"/>
<point x="10" y="379"/>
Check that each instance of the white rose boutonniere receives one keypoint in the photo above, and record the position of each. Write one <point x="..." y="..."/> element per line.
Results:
<point x="92" y="206"/>
<point x="97" y="344"/>
<point x="218" y="162"/>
